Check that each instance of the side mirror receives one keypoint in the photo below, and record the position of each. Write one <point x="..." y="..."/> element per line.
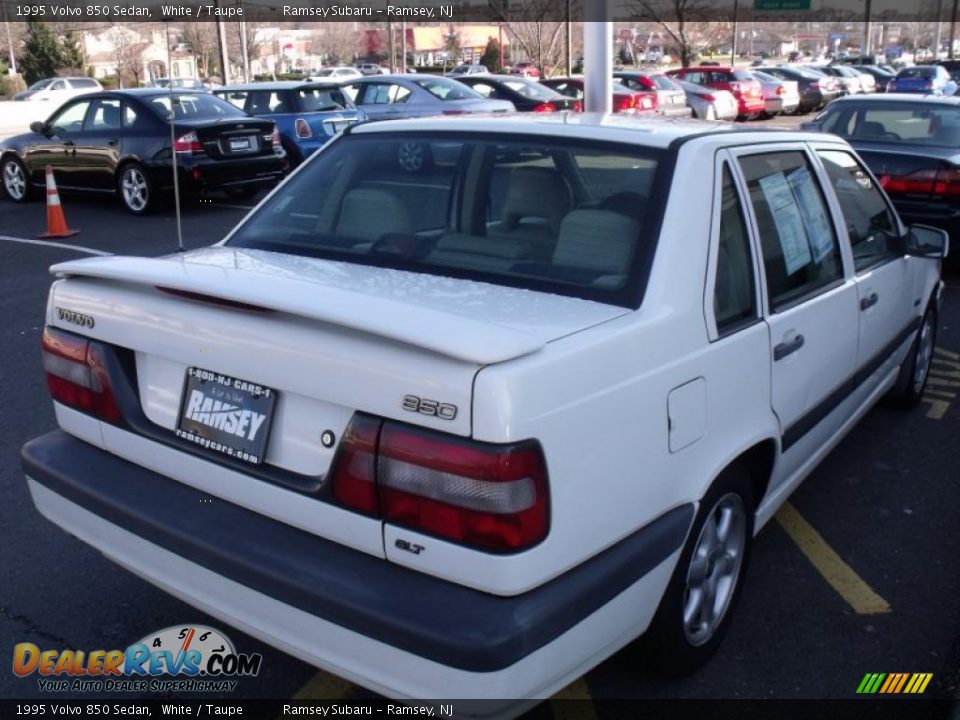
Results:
<point x="38" y="127"/>
<point x="928" y="242"/>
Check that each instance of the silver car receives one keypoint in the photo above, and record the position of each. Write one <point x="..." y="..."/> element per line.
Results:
<point x="386" y="97"/>
<point x="779" y="96"/>
<point x="709" y="103"/>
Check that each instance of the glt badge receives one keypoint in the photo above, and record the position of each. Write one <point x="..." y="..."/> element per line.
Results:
<point x="75" y="318"/>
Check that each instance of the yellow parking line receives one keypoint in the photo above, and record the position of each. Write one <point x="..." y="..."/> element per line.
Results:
<point x="841" y="577"/>
<point x="938" y="408"/>
<point x="324" y="686"/>
<point x="577" y="690"/>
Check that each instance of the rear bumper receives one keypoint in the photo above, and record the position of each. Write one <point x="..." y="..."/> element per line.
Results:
<point x="202" y="173"/>
<point x="386" y="627"/>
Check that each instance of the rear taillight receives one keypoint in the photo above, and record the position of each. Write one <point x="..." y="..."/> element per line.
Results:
<point x="188" y="143"/>
<point x="302" y="128"/>
<point x="945" y="181"/>
<point x="482" y="495"/>
<point x="76" y="374"/>
<point x="275" y="140"/>
<point x="709" y="98"/>
<point x="781" y="90"/>
<point x="578" y="106"/>
<point x="891" y="86"/>
<point x="545" y="107"/>
<point x="626" y="104"/>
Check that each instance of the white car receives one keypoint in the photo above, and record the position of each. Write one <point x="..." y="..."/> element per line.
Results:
<point x="468" y="431"/>
<point x="342" y="72"/>
<point x="59" y="89"/>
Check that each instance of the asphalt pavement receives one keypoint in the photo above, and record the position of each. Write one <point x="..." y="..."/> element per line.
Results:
<point x="885" y="503"/>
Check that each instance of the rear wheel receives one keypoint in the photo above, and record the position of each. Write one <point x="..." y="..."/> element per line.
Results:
<point x="696" y="608"/>
<point x="915" y="370"/>
<point x="16" y="184"/>
<point x="136" y="192"/>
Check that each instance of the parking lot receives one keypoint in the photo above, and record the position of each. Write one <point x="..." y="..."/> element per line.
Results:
<point x="859" y="573"/>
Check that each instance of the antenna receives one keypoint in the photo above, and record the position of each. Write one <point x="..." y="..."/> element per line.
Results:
<point x="173" y="142"/>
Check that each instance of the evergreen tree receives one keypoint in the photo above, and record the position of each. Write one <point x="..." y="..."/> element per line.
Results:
<point x="491" y="56"/>
<point x="42" y="53"/>
<point x="71" y="52"/>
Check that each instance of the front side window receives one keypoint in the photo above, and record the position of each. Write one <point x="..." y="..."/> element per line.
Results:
<point x="70" y="119"/>
<point x="572" y="218"/>
<point x="384" y="94"/>
<point x="801" y="254"/>
<point x="871" y="225"/>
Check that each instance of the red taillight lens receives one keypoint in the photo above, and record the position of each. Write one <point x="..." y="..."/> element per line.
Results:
<point x="545" y="107"/>
<point x="303" y="128"/>
<point x="76" y="374"/>
<point x="925" y="182"/>
<point x="188" y="143"/>
<point x="709" y="98"/>
<point x="947" y="182"/>
<point x="275" y="140"/>
<point x="781" y="90"/>
<point x="578" y="106"/>
<point x="625" y="104"/>
<point x="487" y="496"/>
<point x="353" y="482"/>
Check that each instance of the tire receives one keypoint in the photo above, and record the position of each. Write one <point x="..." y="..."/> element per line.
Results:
<point x="674" y="646"/>
<point x="135" y="189"/>
<point x="16" y="182"/>
<point x="415" y="157"/>
<point x="915" y="370"/>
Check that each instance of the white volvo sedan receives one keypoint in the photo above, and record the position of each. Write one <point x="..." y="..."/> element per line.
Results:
<point x="466" y="431"/>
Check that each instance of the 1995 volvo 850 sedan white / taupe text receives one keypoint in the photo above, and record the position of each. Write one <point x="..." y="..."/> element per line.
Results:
<point x="471" y="428"/>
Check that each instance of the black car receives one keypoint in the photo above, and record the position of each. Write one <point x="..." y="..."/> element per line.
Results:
<point x="912" y="144"/>
<point x="814" y="89"/>
<point x="119" y="142"/>
<point x="526" y="95"/>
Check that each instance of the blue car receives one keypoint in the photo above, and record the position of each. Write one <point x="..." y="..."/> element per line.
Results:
<point x="925" y="79"/>
<point x="307" y="114"/>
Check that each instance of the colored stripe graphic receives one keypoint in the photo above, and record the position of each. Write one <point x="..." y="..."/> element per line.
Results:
<point x="894" y="683"/>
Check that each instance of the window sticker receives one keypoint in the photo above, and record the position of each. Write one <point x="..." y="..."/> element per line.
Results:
<point x="814" y="215"/>
<point x="786" y="216"/>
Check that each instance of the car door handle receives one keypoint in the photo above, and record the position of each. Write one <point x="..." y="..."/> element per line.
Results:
<point x="869" y="301"/>
<point x="788" y="347"/>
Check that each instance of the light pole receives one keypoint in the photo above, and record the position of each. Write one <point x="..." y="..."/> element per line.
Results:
<point x="733" y="45"/>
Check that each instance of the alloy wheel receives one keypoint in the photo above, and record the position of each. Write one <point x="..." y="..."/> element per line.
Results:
<point x="14" y="181"/>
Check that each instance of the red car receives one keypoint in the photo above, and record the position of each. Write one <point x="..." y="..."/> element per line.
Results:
<point x="624" y="99"/>
<point x="745" y="88"/>
<point x="526" y="69"/>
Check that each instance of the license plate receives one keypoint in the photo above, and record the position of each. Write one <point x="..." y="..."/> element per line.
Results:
<point x="239" y="144"/>
<point x="225" y="414"/>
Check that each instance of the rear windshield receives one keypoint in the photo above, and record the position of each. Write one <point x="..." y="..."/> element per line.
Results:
<point x="192" y="106"/>
<point x="916" y="72"/>
<point x="530" y="89"/>
<point x="446" y="89"/>
<point x="664" y="83"/>
<point x="916" y="124"/>
<point x="742" y="75"/>
<point x="570" y="217"/>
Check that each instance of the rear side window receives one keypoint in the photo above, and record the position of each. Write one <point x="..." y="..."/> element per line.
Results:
<point x="322" y="99"/>
<point x="734" y="292"/>
<point x="801" y="254"/>
<point x="574" y="218"/>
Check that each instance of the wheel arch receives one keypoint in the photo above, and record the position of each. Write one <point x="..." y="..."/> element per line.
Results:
<point x="758" y="460"/>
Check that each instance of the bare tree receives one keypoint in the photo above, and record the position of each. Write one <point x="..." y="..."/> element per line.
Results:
<point x="337" y="42"/>
<point x="531" y="26"/>
<point x="127" y="54"/>
<point x="243" y="33"/>
<point x="202" y="39"/>
<point x="689" y="30"/>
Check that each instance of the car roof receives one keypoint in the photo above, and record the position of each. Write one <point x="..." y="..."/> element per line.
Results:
<point x="638" y="130"/>
<point x="893" y="98"/>
<point x="711" y="68"/>
<point x="276" y="85"/>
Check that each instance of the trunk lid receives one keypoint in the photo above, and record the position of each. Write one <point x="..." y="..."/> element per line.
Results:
<point x="243" y="137"/>
<point x="327" y="338"/>
<point x="914" y="176"/>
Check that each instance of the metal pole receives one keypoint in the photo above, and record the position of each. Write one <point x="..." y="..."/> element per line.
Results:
<point x="173" y="140"/>
<point x="403" y="46"/>
<point x="569" y="43"/>
<point x="244" y="53"/>
<point x="391" y="44"/>
<point x="224" y="62"/>
<point x="953" y="27"/>
<point x="598" y="57"/>
<point x="733" y="45"/>
<point x="13" y="55"/>
<point x="866" y="29"/>
<point x="938" y="33"/>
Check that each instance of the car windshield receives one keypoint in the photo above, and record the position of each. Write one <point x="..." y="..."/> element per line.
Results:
<point x="193" y="106"/>
<point x="565" y="216"/>
<point x="324" y="73"/>
<point x="40" y="85"/>
<point x="763" y="77"/>
<point x="530" y="89"/>
<point x="902" y="122"/>
<point x="446" y="89"/>
<point x="323" y="99"/>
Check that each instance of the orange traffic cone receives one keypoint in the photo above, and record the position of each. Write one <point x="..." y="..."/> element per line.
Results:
<point x="56" y="222"/>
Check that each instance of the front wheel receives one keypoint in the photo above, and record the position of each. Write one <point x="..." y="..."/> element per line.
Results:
<point x="696" y="608"/>
<point x="414" y="157"/>
<point x="136" y="192"/>
<point x="16" y="184"/>
<point x="915" y="370"/>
